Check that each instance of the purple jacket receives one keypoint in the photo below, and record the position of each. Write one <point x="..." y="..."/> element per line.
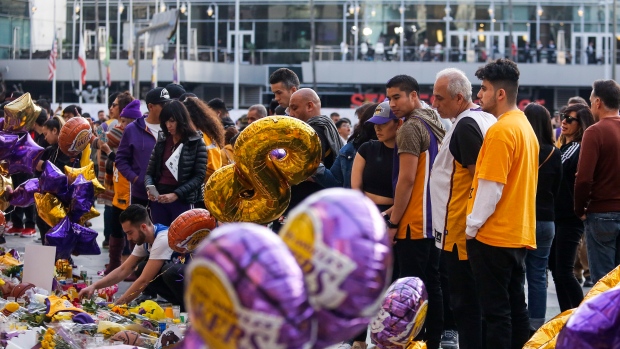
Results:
<point x="132" y="157"/>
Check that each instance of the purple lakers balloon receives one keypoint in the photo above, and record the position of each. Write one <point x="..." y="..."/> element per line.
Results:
<point x="595" y="323"/>
<point x="244" y="290"/>
<point x="402" y="314"/>
<point x="339" y="239"/>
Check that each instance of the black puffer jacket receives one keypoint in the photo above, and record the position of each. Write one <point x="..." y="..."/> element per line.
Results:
<point x="192" y="167"/>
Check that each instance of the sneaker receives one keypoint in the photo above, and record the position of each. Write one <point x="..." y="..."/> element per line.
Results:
<point x="14" y="231"/>
<point x="28" y="232"/>
<point x="450" y="339"/>
<point x="588" y="282"/>
<point x="105" y="244"/>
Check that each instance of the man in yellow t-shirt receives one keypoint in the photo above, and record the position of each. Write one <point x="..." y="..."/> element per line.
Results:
<point x="501" y="212"/>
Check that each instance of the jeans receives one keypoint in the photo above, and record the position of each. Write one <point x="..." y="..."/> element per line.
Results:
<point x="536" y="271"/>
<point x="500" y="276"/>
<point x="166" y="213"/>
<point x="603" y="242"/>
<point x="568" y="234"/>
<point x="463" y="299"/>
<point x="168" y="283"/>
<point x="107" y="221"/>
<point x="420" y="258"/>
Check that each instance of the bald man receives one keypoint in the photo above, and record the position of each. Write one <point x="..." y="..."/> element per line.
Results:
<point x="305" y="105"/>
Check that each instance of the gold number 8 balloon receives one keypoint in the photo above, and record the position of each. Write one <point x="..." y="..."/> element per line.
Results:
<point x="257" y="187"/>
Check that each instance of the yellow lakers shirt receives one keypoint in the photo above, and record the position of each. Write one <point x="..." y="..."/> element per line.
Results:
<point x="451" y="181"/>
<point x="509" y="155"/>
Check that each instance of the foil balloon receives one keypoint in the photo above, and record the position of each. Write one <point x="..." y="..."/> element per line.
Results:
<point x="417" y="345"/>
<point x="4" y="168"/>
<point x="88" y="172"/>
<point x="189" y="229"/>
<point x="49" y="208"/>
<point x="20" y="114"/>
<point x="244" y="290"/>
<point x="192" y="340"/>
<point x="89" y="215"/>
<point x="7" y="142"/>
<point x="82" y="198"/>
<point x="6" y="187"/>
<point x="605" y="283"/>
<point x="75" y="135"/>
<point x="339" y="239"/>
<point x="402" y="314"/>
<point x="53" y="180"/>
<point x="257" y="188"/>
<point x="547" y="335"/>
<point x="278" y="154"/>
<point x="23" y="196"/>
<point x="86" y="243"/>
<point x="62" y="236"/>
<point x="25" y="155"/>
<point x="594" y="324"/>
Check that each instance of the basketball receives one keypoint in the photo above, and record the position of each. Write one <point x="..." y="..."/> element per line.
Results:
<point x="128" y="337"/>
<point x="189" y="229"/>
<point x="20" y="290"/>
<point x="74" y="136"/>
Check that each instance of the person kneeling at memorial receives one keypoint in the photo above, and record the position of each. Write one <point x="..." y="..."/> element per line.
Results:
<point x="157" y="274"/>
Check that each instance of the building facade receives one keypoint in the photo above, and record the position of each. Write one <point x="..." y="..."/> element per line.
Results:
<point x="561" y="46"/>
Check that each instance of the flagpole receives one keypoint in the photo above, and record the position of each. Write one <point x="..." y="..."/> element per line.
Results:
<point x="107" y="46"/>
<point x="54" y="77"/>
<point x="81" y="43"/>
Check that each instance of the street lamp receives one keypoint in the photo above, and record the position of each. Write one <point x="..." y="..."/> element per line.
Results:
<point x="539" y="13"/>
<point x="491" y="29"/>
<point x="353" y="8"/>
<point x="121" y="8"/>
<point x="183" y="8"/>
<point x="447" y="18"/>
<point x="215" y="14"/>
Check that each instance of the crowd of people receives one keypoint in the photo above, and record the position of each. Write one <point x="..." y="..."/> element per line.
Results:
<point x="477" y="198"/>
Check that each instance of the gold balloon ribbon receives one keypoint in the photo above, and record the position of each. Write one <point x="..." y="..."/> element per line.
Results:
<point x="49" y="208"/>
<point x="20" y="114"/>
<point x="257" y="188"/>
<point x="547" y="334"/>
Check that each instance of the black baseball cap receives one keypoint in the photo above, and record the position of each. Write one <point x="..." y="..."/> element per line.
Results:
<point x="175" y="90"/>
<point x="158" y="95"/>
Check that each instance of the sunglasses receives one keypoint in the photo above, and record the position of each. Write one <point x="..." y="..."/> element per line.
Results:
<point x="569" y="119"/>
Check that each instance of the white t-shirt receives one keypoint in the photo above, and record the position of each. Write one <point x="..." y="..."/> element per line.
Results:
<point x="159" y="250"/>
<point x="154" y="128"/>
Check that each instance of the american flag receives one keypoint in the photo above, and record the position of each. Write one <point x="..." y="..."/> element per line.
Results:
<point x="82" y="58"/>
<point x="52" y="62"/>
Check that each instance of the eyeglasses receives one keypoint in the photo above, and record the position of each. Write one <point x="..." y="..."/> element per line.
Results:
<point x="569" y="119"/>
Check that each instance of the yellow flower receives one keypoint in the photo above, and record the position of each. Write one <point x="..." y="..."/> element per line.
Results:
<point x="44" y="345"/>
<point x="51" y="331"/>
<point x="48" y="337"/>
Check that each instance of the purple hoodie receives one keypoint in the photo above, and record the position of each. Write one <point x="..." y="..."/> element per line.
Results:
<point x="134" y="152"/>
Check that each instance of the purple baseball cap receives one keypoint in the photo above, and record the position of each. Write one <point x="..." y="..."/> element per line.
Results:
<point x="383" y="114"/>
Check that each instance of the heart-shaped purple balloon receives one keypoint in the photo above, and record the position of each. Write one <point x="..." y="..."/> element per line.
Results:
<point x="25" y="155"/>
<point x="82" y="198"/>
<point x="340" y="240"/>
<point x="402" y="314"/>
<point x="595" y="323"/>
<point x="23" y="195"/>
<point x="250" y="276"/>
<point x="86" y="241"/>
<point x="62" y="236"/>
<point x="7" y="142"/>
<point x="53" y="180"/>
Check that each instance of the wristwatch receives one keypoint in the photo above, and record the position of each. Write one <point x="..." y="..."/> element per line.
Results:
<point x="391" y="225"/>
